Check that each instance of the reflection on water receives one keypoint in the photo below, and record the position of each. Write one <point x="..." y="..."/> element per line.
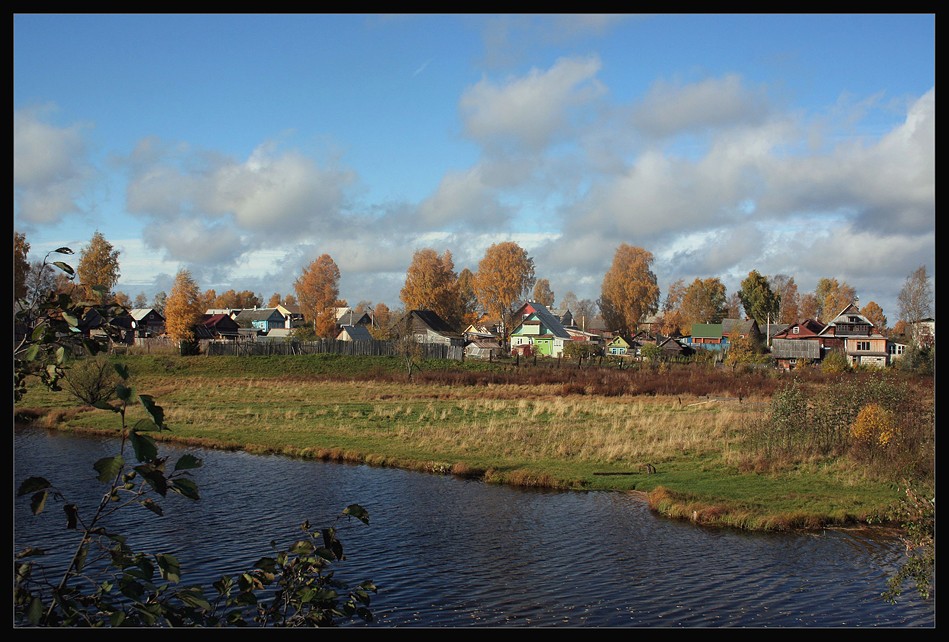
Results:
<point x="452" y="553"/>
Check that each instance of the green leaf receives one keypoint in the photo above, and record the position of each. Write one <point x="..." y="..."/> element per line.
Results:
<point x="63" y="250"/>
<point x="105" y="405"/>
<point x="187" y="462"/>
<point x="168" y="567"/>
<point x="302" y="547"/>
<point x="154" y="410"/>
<point x="109" y="467"/>
<point x="117" y="618"/>
<point x="357" y="511"/>
<point x="32" y="352"/>
<point x="154" y="477"/>
<point x="123" y="392"/>
<point x="72" y="515"/>
<point x="144" y="446"/>
<point x="65" y="267"/>
<point x="33" y="484"/>
<point x="122" y="370"/>
<point x="153" y="506"/>
<point x="194" y="596"/>
<point x="185" y="487"/>
<point x="35" y="611"/>
<point x="145" y="425"/>
<point x="38" y="502"/>
<point x="71" y="320"/>
<point x="60" y="355"/>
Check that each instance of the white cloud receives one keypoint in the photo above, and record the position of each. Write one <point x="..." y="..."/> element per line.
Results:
<point x="51" y="170"/>
<point x="532" y="111"/>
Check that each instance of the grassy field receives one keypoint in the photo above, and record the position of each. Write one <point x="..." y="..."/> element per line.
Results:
<point x="680" y="436"/>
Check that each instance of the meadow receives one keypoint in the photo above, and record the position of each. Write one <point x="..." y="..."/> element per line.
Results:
<point x="694" y="440"/>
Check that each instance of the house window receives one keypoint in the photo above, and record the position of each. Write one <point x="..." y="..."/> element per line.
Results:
<point x="863" y="345"/>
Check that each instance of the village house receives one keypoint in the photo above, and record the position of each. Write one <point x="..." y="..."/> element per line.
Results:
<point x="537" y="331"/>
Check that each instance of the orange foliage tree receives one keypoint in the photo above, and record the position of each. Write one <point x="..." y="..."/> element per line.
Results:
<point x="431" y="284"/>
<point x="630" y="290"/>
<point x="317" y="291"/>
<point x="505" y="276"/>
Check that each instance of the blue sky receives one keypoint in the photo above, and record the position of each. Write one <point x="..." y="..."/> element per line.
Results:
<point x="242" y="147"/>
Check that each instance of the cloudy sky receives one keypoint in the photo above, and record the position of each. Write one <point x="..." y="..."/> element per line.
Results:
<point x="243" y="147"/>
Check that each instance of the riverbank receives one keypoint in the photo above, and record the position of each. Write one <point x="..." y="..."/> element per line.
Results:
<point x="687" y="452"/>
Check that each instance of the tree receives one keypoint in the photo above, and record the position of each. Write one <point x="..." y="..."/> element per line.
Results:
<point x="381" y="327"/>
<point x="431" y="284"/>
<point x="874" y="314"/>
<point x="810" y="309"/>
<point x="832" y="298"/>
<point x="758" y="300"/>
<point x="40" y="280"/>
<point x="467" y="300"/>
<point x="122" y="299"/>
<point x="916" y="299"/>
<point x="183" y="309"/>
<point x="703" y="302"/>
<point x="21" y="265"/>
<point x="733" y="306"/>
<point x="785" y="288"/>
<point x="672" y="320"/>
<point x="98" y="268"/>
<point x="141" y="301"/>
<point x="505" y="276"/>
<point x="630" y="290"/>
<point x="233" y="300"/>
<point x="569" y="301"/>
<point x="318" y="291"/>
<point x="583" y="312"/>
<point x="274" y="300"/>
<point x="158" y="303"/>
<point x="543" y="294"/>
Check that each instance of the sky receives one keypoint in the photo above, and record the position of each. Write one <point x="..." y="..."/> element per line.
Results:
<point x="242" y="147"/>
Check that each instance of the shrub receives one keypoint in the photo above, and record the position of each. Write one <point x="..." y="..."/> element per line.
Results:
<point x="835" y="363"/>
<point x="92" y="380"/>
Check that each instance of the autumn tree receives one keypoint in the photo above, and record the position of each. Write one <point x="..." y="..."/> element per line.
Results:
<point x="234" y="300"/>
<point x="381" y="327"/>
<point x="21" y="265"/>
<point x="810" y="308"/>
<point x="543" y="294"/>
<point x="274" y="300"/>
<point x="317" y="290"/>
<point x="758" y="300"/>
<point x="141" y="301"/>
<point x="672" y="319"/>
<point x="431" y="284"/>
<point x="183" y="308"/>
<point x="874" y="314"/>
<point x="467" y="299"/>
<point x="630" y="290"/>
<point x="704" y="302"/>
<point x="98" y="268"/>
<point x="505" y="276"/>
<point x="832" y="298"/>
<point x="122" y="299"/>
<point x="785" y="288"/>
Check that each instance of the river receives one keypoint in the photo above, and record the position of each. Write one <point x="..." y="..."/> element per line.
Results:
<point x="447" y="552"/>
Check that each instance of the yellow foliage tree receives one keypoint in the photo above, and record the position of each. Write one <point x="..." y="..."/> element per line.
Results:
<point x="317" y="292"/>
<point x="98" y="268"/>
<point x="630" y="290"/>
<point x="431" y="284"/>
<point x="875" y="427"/>
<point x="543" y="294"/>
<point x="505" y="276"/>
<point x="183" y="308"/>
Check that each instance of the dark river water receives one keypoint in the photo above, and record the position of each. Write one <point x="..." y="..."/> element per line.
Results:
<point x="446" y="552"/>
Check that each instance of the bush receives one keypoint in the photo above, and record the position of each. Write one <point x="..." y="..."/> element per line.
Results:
<point x="835" y="363"/>
<point x="92" y="380"/>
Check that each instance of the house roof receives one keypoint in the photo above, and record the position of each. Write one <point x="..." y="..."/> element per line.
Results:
<point x="540" y="312"/>
<point x="706" y="330"/>
<point x="140" y="313"/>
<point x="355" y="332"/>
<point x="433" y="322"/>
<point x="738" y="326"/>
<point x="260" y="314"/>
